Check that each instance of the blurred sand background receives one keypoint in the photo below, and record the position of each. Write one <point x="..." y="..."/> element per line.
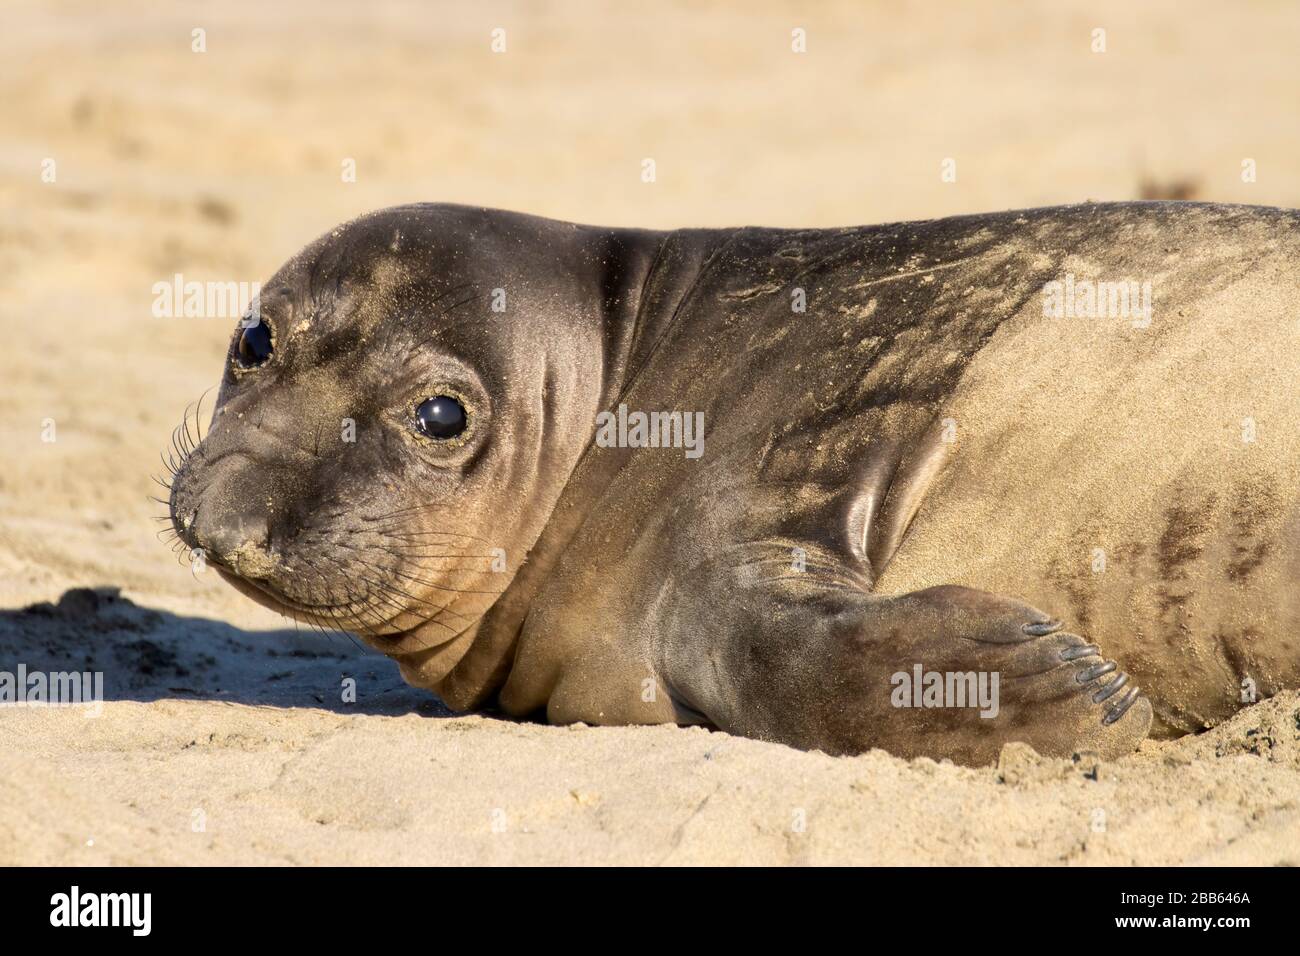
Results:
<point x="224" y="739"/>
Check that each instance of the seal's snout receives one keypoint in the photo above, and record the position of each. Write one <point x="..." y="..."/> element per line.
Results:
<point x="238" y="541"/>
<point x="220" y="517"/>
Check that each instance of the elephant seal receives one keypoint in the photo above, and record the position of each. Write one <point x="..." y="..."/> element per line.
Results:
<point x="959" y="482"/>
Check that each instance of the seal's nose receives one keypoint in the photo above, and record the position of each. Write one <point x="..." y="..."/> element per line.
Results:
<point x="221" y="503"/>
<point x="237" y="540"/>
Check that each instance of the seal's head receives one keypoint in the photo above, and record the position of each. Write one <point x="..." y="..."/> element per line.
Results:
<point x="397" y="419"/>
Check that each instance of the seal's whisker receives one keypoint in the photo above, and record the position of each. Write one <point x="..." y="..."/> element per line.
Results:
<point x="390" y="601"/>
<point x="450" y="590"/>
<point x="316" y="625"/>
<point x="408" y="511"/>
<point x="408" y="551"/>
<point x="182" y="445"/>
<point x="384" y="600"/>
<point x="432" y="556"/>
<point x="180" y="434"/>
<point x="395" y="532"/>
<point x="374" y="621"/>
<point x="393" y="589"/>
<point x="398" y="535"/>
<point x="188" y="443"/>
<point x="438" y="609"/>
<point x="443" y="573"/>
<point x="198" y="412"/>
<point x="330" y="611"/>
<point x="397" y="526"/>
<point x="301" y="617"/>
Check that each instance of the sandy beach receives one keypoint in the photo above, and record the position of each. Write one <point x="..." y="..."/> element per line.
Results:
<point x="128" y="157"/>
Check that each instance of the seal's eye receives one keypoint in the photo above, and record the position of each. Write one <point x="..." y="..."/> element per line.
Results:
<point x="254" y="345"/>
<point x="441" y="417"/>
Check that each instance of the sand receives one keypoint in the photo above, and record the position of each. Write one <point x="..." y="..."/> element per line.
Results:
<point x="224" y="737"/>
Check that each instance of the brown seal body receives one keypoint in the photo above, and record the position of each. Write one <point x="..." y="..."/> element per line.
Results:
<point x="920" y="444"/>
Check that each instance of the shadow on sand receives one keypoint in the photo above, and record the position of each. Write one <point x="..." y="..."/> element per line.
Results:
<point x="147" y="654"/>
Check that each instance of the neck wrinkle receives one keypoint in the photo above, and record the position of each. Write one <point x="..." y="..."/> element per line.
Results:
<point x="632" y="263"/>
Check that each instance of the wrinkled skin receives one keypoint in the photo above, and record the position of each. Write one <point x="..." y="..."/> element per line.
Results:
<point x="922" y="468"/>
<point x="405" y="541"/>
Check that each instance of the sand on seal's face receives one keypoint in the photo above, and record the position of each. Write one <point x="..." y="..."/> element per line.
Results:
<point x="220" y="165"/>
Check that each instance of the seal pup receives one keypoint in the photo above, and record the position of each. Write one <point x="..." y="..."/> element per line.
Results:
<point x="960" y="482"/>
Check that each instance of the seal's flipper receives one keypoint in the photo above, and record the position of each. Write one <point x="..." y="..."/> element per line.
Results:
<point x="945" y="672"/>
